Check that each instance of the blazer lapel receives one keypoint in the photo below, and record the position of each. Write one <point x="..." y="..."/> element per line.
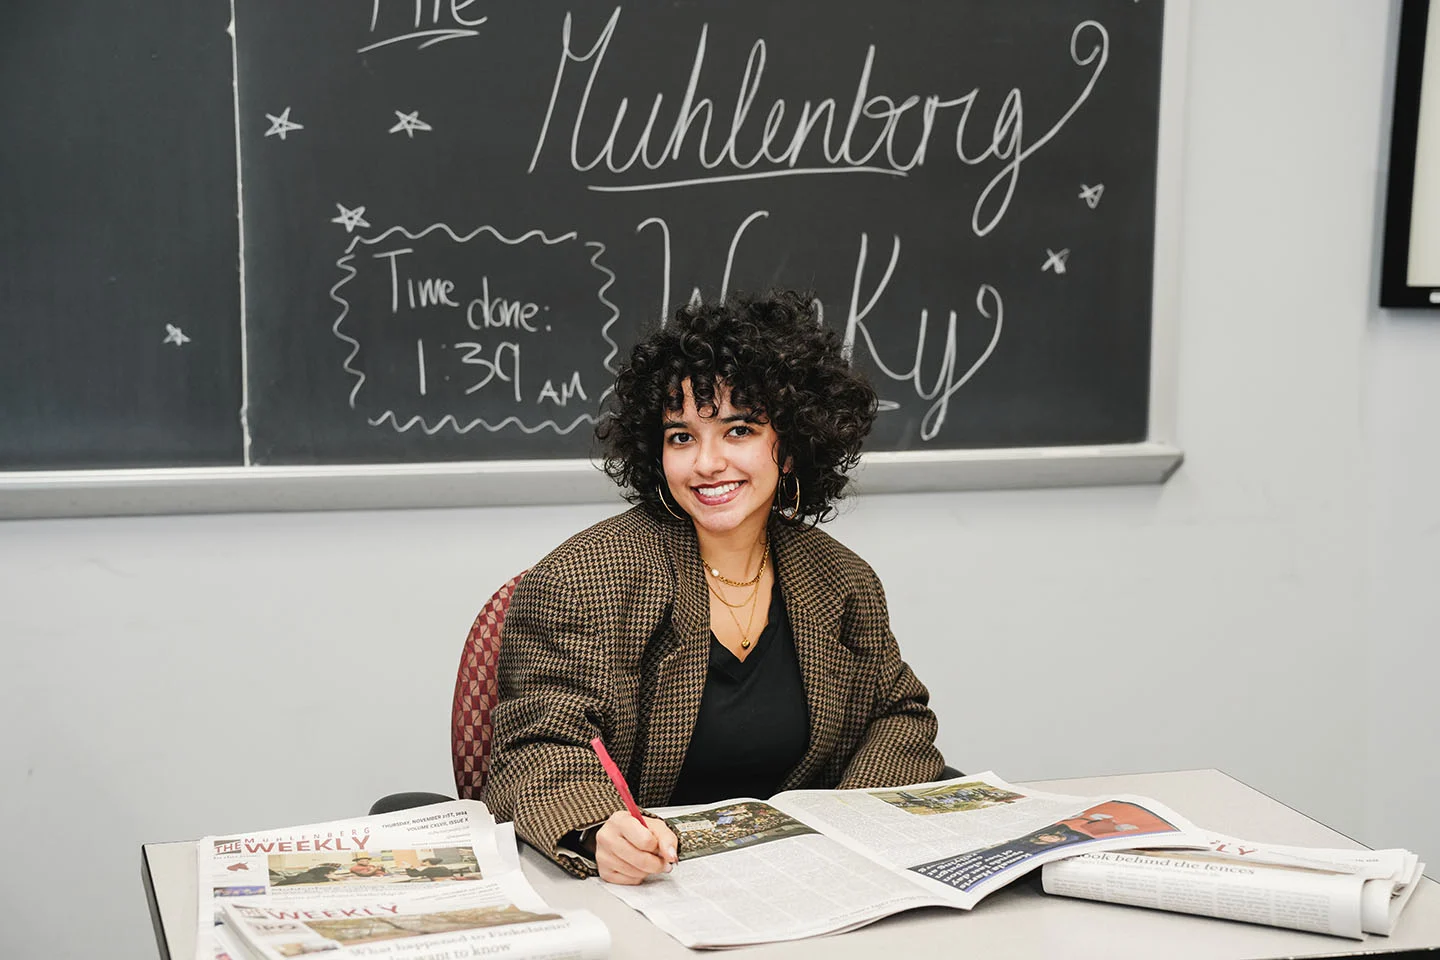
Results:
<point x="815" y="608"/>
<point x="680" y="670"/>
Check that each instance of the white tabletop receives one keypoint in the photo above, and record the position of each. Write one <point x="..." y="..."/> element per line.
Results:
<point x="1018" y="921"/>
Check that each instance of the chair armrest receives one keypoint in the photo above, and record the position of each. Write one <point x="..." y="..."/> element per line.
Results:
<point x="404" y="801"/>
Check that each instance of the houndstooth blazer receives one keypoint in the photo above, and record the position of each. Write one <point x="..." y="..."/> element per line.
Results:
<point x="610" y="635"/>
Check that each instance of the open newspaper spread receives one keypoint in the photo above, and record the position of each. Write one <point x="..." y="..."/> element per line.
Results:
<point x="1345" y="893"/>
<point x="415" y="884"/>
<point x="811" y="862"/>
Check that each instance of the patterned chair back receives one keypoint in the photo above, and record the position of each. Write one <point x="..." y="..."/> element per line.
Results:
<point x="477" y="688"/>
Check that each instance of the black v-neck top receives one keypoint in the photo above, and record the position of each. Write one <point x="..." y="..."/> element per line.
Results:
<point x="753" y="725"/>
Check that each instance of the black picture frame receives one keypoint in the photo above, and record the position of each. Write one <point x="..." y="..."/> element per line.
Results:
<point x="1395" y="287"/>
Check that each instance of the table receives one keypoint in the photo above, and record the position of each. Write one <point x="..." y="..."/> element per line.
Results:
<point x="1018" y="921"/>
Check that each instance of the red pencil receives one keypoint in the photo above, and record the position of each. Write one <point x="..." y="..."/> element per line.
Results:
<point x="613" y="772"/>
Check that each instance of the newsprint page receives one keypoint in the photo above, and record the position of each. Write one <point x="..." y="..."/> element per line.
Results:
<point x="811" y="862"/>
<point x="434" y="882"/>
<point x="1345" y="893"/>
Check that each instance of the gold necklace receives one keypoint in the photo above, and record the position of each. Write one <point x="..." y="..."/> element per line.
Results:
<point x="754" y="583"/>
<point x="717" y="595"/>
<point x="749" y="621"/>
<point x="715" y="571"/>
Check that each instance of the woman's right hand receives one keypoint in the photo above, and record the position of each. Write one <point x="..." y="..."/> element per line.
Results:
<point x="627" y="853"/>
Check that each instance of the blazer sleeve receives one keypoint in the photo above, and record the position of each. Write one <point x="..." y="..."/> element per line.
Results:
<point x="898" y="746"/>
<point x="553" y="678"/>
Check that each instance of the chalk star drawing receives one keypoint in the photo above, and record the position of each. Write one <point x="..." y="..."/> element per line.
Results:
<point x="1091" y="195"/>
<point x="409" y="123"/>
<point x="281" y="125"/>
<point x="1055" y="261"/>
<point x="175" y="335"/>
<point x="351" y="220"/>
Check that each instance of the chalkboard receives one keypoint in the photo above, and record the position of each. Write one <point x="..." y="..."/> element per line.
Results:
<point x="119" y="257"/>
<point x="457" y="215"/>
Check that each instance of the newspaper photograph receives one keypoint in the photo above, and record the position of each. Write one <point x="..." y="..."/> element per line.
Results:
<point x="963" y="839"/>
<point x="749" y="873"/>
<point x="812" y="862"/>
<point x="1344" y="893"/>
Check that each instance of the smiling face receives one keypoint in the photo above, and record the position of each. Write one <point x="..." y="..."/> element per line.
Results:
<point x="721" y="469"/>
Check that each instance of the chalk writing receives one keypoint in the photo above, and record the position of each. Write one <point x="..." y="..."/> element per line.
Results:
<point x="426" y="21"/>
<point x="432" y="294"/>
<point x="697" y="150"/>
<point x="816" y="141"/>
<point x="567" y="390"/>
<point x="947" y="377"/>
<point x="487" y="312"/>
<point x="503" y="362"/>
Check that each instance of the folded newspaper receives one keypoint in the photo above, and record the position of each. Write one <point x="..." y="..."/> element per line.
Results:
<point x="812" y="862"/>
<point x="435" y="882"/>
<point x="1346" y="893"/>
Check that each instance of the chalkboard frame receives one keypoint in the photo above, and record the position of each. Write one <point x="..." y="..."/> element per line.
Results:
<point x="77" y="493"/>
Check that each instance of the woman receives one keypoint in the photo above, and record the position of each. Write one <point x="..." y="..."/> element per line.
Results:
<point x="719" y="643"/>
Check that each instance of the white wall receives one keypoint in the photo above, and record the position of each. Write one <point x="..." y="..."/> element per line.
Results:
<point x="1269" y="611"/>
<point x="1398" y="649"/>
<point x="1403" y="619"/>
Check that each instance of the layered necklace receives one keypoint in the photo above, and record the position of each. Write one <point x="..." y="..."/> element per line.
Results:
<point x="753" y="583"/>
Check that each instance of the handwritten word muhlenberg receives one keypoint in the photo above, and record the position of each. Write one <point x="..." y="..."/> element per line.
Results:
<point x="815" y="139"/>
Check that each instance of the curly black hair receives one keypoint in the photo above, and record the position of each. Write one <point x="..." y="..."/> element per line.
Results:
<point x="778" y="361"/>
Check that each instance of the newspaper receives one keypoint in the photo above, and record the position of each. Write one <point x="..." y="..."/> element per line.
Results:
<point x="467" y="923"/>
<point x="226" y="946"/>
<point x="812" y="862"/>
<point x="415" y="884"/>
<point x="1345" y="893"/>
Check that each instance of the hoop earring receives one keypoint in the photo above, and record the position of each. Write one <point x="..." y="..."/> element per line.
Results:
<point x="660" y="491"/>
<point x="794" y="513"/>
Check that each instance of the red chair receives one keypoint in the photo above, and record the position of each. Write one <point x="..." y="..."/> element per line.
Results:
<point x="477" y="688"/>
